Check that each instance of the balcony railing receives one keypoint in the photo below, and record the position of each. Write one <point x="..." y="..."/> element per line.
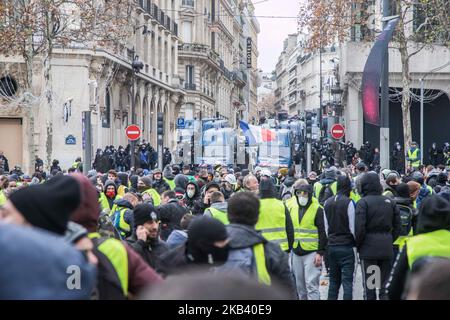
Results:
<point x="187" y="3"/>
<point x="190" y="86"/>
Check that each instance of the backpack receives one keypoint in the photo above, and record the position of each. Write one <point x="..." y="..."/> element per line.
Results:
<point x="239" y="262"/>
<point x="322" y="197"/>
<point x="406" y="214"/>
<point x="287" y="193"/>
<point x="106" y="227"/>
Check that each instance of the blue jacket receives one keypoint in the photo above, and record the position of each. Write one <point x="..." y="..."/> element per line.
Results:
<point x="38" y="265"/>
<point x="177" y="238"/>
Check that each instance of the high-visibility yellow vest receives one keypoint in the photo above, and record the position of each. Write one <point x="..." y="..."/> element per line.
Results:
<point x="318" y="187"/>
<point x="219" y="215"/>
<point x="171" y="183"/>
<point x="119" y="221"/>
<point x="104" y="204"/>
<point x="155" y="196"/>
<point x="76" y="164"/>
<point x="121" y="190"/>
<point x="431" y="244"/>
<point x="414" y="155"/>
<point x="272" y="222"/>
<point x="2" y="198"/>
<point x="116" y="253"/>
<point x="355" y="196"/>
<point x="306" y="233"/>
<point x="260" y="261"/>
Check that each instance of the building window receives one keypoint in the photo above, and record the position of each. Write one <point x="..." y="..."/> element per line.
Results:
<point x="106" y="118"/>
<point x="190" y="74"/>
<point x="8" y="86"/>
<point x="187" y="32"/>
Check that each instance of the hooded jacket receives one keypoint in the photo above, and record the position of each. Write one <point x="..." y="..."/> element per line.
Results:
<point x="110" y="201"/>
<point x="242" y="240"/>
<point x="377" y="220"/>
<point x="190" y="202"/>
<point x="160" y="185"/>
<point x="37" y="264"/>
<point x="339" y="215"/>
<point x="434" y="215"/>
<point x="170" y="215"/>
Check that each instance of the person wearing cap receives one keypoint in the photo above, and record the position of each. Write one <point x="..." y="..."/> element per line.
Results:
<point x="148" y="192"/>
<point x="229" y="183"/>
<point x="188" y="173"/>
<point x="424" y="191"/>
<point x="432" y="239"/>
<point x="413" y="156"/>
<point x="377" y="225"/>
<point x="218" y="208"/>
<point x="326" y="187"/>
<point x="121" y="270"/>
<point x="274" y="221"/>
<point x="159" y="184"/>
<point x="251" y="255"/>
<point x="145" y="239"/>
<point x="206" y="247"/>
<point x="310" y="241"/>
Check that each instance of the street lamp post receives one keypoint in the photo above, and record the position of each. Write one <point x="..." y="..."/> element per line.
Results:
<point x="136" y="67"/>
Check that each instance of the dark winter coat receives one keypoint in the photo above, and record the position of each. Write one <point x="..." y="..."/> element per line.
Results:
<point x="170" y="215"/>
<point x="377" y="220"/>
<point x="160" y="185"/>
<point x="243" y="237"/>
<point x="150" y="251"/>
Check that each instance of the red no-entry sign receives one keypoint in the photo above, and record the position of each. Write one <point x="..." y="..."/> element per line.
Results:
<point x="337" y="131"/>
<point x="133" y="132"/>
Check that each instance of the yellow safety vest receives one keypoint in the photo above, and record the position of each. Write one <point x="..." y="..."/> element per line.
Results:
<point x="171" y="183"/>
<point x="431" y="244"/>
<point x="355" y="196"/>
<point x="121" y="190"/>
<point x="306" y="233"/>
<point x="155" y="196"/>
<point x="2" y="198"/>
<point x="260" y="261"/>
<point x="318" y="187"/>
<point x="414" y="155"/>
<point x="219" y="215"/>
<point x="119" y="221"/>
<point x="116" y="253"/>
<point x="272" y="222"/>
<point x="104" y="204"/>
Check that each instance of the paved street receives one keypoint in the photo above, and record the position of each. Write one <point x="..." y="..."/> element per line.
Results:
<point x="357" y="287"/>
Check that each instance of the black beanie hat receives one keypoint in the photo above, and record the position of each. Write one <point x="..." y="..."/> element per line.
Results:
<point x="49" y="205"/>
<point x="206" y="230"/>
<point x="144" y="212"/>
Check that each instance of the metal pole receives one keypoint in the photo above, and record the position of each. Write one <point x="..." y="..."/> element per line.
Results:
<point x="384" y="128"/>
<point x="308" y="155"/>
<point x="320" y="95"/>
<point x="87" y="143"/>
<point x="421" y="121"/>
<point x="133" y="119"/>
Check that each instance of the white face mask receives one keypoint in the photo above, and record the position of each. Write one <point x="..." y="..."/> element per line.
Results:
<point x="190" y="193"/>
<point x="302" y="201"/>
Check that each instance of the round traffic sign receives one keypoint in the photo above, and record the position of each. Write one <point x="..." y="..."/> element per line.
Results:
<point x="337" y="131"/>
<point x="133" y="132"/>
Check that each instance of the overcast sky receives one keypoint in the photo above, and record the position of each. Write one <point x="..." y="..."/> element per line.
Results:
<point x="274" y="31"/>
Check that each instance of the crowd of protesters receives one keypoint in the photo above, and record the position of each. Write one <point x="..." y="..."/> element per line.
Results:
<point x="142" y="232"/>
